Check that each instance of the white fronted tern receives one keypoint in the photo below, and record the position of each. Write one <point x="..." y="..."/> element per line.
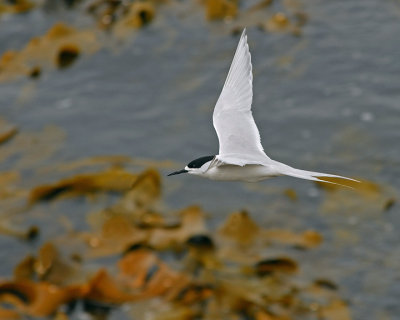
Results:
<point x="241" y="156"/>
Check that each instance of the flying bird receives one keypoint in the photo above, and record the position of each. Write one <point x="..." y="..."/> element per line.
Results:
<point x="241" y="156"/>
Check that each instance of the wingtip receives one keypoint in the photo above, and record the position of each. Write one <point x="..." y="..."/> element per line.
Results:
<point x="243" y="38"/>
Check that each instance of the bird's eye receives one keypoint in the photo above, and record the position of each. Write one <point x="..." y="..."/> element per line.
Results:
<point x="198" y="163"/>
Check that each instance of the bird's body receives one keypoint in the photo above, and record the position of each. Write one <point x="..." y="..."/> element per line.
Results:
<point x="248" y="173"/>
<point x="241" y="156"/>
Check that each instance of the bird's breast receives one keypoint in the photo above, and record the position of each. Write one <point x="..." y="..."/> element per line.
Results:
<point x="248" y="173"/>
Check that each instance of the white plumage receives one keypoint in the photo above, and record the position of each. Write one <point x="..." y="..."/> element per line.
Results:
<point x="239" y="139"/>
<point x="241" y="155"/>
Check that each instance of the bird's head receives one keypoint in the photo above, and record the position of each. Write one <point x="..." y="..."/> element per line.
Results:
<point x="197" y="166"/>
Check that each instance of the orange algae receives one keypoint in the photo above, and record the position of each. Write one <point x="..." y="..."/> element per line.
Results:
<point x="54" y="48"/>
<point x="17" y="6"/>
<point x="291" y="194"/>
<point x="219" y="9"/>
<point x="63" y="44"/>
<point x="143" y="274"/>
<point x="278" y="22"/>
<point x="139" y="14"/>
<point x="7" y="131"/>
<point x="114" y="179"/>
<point x="261" y="5"/>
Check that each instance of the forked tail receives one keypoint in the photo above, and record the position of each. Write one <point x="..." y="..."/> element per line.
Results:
<point x="314" y="176"/>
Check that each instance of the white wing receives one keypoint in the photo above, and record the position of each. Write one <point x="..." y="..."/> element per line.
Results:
<point x="239" y="139"/>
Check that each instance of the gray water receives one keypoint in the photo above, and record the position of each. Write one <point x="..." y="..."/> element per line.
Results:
<point x="327" y="101"/>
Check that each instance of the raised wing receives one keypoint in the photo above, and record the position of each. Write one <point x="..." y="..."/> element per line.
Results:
<point x="239" y="139"/>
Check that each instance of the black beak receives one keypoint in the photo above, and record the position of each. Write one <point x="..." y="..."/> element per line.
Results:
<point x="178" y="172"/>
